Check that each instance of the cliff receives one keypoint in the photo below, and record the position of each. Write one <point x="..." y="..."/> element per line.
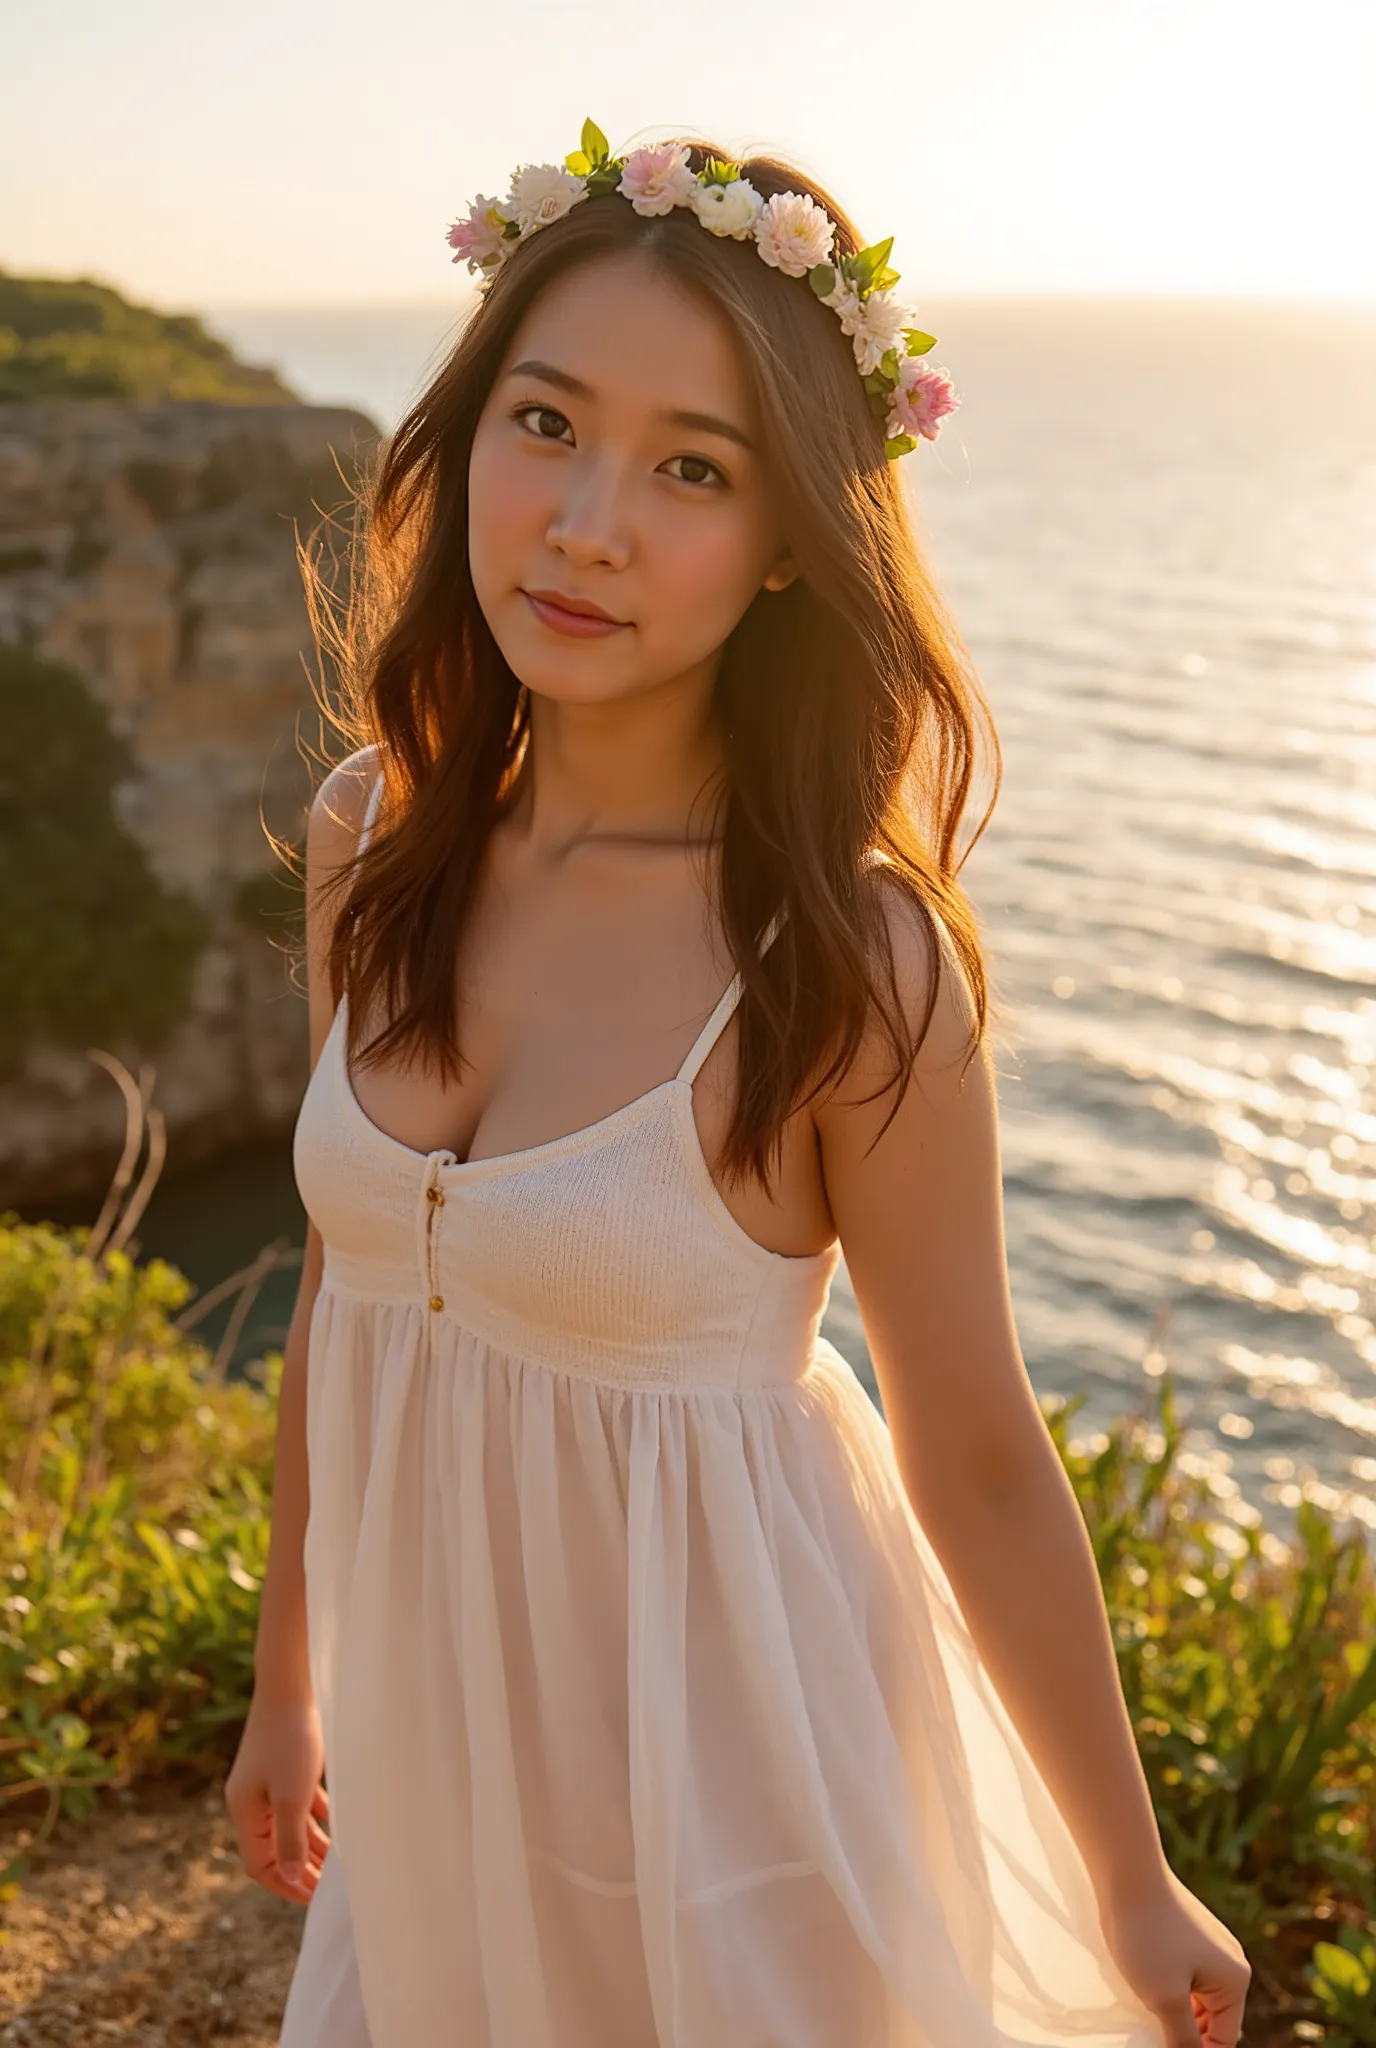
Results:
<point x="148" y="548"/>
<point x="77" y="338"/>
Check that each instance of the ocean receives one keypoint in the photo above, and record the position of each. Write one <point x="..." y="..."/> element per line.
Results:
<point x="1155" y="522"/>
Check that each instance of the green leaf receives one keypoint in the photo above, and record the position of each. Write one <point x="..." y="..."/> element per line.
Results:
<point x="1340" y="1968"/>
<point x="888" y="363"/>
<point x="605" y="178"/>
<point x="71" y="1731"/>
<point x="578" y="162"/>
<point x="596" y="147"/>
<point x="822" y="278"/>
<point x="902" y="444"/>
<point x="867" y="264"/>
<point x="886" y="280"/>
<point x="917" y="342"/>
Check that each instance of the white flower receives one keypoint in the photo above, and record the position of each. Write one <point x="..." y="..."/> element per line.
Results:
<point x="729" y="209"/>
<point x="657" y="180"/>
<point x="880" y="329"/>
<point x="542" y="193"/>
<point x="846" y="303"/>
<point x="794" y="233"/>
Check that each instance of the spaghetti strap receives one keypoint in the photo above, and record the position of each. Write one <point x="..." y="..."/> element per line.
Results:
<point x="721" y="1015"/>
<point x="369" y="814"/>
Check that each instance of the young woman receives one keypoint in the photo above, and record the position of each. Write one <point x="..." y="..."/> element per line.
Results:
<point x="666" y="1693"/>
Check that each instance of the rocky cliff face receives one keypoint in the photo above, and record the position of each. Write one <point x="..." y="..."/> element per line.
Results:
<point x="151" y="549"/>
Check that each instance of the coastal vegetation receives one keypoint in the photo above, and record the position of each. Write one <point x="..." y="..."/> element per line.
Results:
<point x="135" y="1483"/>
<point x="94" y="947"/>
<point x="77" y="338"/>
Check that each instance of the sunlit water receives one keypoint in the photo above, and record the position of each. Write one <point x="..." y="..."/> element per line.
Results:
<point x="1157" y="528"/>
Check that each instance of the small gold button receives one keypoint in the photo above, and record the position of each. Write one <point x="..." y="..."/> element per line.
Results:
<point x="437" y="1301"/>
<point x="434" y="1195"/>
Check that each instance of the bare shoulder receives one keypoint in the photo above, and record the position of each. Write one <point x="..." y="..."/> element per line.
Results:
<point x="914" y="1183"/>
<point x="332" y="829"/>
<point x="337" y="809"/>
<point x="925" y="952"/>
<point x="927" y="973"/>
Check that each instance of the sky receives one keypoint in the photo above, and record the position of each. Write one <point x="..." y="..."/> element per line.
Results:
<point x="287" y="153"/>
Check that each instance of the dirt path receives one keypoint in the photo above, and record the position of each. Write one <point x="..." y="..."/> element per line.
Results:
<point x="139" y="1926"/>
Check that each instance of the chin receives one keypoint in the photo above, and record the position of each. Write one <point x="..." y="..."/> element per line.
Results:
<point x="572" y="676"/>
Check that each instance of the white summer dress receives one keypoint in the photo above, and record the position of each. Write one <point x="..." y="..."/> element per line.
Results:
<point x="650" y="1718"/>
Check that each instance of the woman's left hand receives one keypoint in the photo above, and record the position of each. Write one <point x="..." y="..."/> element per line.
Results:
<point x="1182" y="1961"/>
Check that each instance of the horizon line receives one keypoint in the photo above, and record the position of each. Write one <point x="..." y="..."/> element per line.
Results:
<point x="1359" y="303"/>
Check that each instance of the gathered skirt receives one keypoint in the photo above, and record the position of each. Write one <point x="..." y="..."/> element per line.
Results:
<point x="651" y="1719"/>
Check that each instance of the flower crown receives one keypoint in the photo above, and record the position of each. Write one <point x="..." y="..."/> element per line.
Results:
<point x="791" y="232"/>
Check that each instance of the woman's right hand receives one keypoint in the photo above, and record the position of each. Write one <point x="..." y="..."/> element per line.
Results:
<point x="276" y="1797"/>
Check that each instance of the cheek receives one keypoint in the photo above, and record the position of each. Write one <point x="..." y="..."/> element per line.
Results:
<point x="502" y="514"/>
<point x="708" y="568"/>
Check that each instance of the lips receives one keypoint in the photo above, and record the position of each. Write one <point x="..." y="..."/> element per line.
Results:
<point x="576" y="617"/>
<point x="581" y="607"/>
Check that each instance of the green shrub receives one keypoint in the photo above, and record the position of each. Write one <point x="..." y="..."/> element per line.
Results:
<point x="74" y="338"/>
<point x="1251" y="1679"/>
<point x="134" y="1514"/>
<point x="92" y="945"/>
<point x="1343" y="1977"/>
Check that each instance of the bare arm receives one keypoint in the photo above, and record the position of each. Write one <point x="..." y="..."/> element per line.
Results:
<point x="281" y="1667"/>
<point x="921" y="1224"/>
<point x="280" y="1663"/>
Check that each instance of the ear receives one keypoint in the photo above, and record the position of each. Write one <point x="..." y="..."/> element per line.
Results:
<point x="784" y="572"/>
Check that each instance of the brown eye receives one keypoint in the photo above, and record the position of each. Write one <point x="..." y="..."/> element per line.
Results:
<point x="696" y="469"/>
<point x="543" y="421"/>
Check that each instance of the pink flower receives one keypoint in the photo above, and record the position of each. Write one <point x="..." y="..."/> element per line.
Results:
<point x="921" y="398"/>
<point x="657" y="180"/>
<point x="794" y="233"/>
<point x="478" y="240"/>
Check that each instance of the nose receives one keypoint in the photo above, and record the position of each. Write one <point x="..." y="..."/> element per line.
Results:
<point x="590" y="525"/>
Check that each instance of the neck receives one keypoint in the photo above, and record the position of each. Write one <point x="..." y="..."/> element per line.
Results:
<point x="631" y="771"/>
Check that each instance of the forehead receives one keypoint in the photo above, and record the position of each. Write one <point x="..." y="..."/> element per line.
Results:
<point x="637" y="338"/>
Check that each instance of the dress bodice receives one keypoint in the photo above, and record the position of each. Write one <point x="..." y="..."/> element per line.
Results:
<point x="608" y="1252"/>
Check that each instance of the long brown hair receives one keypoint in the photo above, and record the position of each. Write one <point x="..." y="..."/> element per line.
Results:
<point x="849" y="709"/>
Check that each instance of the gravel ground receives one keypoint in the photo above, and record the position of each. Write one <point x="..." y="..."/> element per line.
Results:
<point x="139" y="1926"/>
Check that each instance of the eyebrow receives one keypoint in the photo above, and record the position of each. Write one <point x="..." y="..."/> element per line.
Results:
<point x="705" y="422"/>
